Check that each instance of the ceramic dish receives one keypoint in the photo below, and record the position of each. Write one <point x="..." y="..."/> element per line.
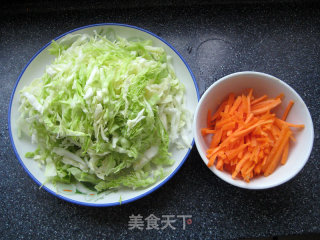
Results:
<point x="262" y="84"/>
<point x="36" y="67"/>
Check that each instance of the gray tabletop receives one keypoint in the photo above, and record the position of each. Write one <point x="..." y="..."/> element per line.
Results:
<point x="281" y="39"/>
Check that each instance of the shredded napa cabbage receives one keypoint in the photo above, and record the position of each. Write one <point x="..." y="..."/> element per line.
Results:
<point x="105" y="112"/>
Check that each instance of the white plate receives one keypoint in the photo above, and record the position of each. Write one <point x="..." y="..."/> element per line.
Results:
<point x="261" y="83"/>
<point x="36" y="67"/>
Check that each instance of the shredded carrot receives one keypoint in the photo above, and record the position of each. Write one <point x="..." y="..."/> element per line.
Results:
<point x="285" y="114"/>
<point x="205" y="131"/>
<point x="291" y="124"/>
<point x="275" y="160"/>
<point x="216" y="139"/>
<point x="285" y="154"/>
<point x="260" y="108"/>
<point x="259" y="99"/>
<point x="67" y="190"/>
<point x="218" y="111"/>
<point x="247" y="139"/>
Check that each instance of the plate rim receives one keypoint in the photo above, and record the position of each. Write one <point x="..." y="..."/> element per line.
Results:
<point x="88" y="204"/>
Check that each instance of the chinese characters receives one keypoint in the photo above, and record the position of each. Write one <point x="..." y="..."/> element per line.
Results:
<point x="154" y="222"/>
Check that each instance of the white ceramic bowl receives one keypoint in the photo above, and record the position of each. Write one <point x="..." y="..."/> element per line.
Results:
<point x="36" y="67"/>
<point x="262" y="84"/>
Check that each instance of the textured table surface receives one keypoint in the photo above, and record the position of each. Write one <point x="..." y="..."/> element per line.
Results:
<point x="279" y="39"/>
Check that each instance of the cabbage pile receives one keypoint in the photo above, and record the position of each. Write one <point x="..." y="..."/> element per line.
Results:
<point x="105" y="113"/>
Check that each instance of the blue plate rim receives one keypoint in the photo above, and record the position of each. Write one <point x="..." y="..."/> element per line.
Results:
<point x="87" y="203"/>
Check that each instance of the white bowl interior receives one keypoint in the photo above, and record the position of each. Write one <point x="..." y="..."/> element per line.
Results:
<point x="37" y="67"/>
<point x="261" y="84"/>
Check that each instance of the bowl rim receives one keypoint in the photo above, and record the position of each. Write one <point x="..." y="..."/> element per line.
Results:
<point x="90" y="204"/>
<point x="229" y="179"/>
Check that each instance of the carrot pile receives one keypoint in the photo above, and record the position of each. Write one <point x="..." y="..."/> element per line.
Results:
<point x="247" y="138"/>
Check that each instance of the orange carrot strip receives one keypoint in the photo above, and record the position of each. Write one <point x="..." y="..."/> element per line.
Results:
<point x="212" y="159"/>
<point x="235" y="105"/>
<point x="228" y="167"/>
<point x="248" y="139"/>
<point x="266" y="108"/>
<point x="275" y="130"/>
<point x="255" y="154"/>
<point x="247" y="172"/>
<point x="259" y="100"/>
<point x="240" y="164"/>
<point x="226" y="109"/>
<point x="217" y="113"/>
<point x="253" y="141"/>
<point x="206" y="131"/>
<point x="274" y="149"/>
<point x="275" y="161"/>
<point x="219" y="165"/>
<point x="284" y="157"/>
<point x="246" y="166"/>
<point x="257" y="168"/>
<point x="292" y="125"/>
<point x="244" y="104"/>
<point x="216" y="139"/>
<point x="249" y="104"/>
<point x="228" y="126"/>
<point x="233" y="153"/>
<point x="265" y="103"/>
<point x="285" y="114"/>
<point x="249" y="129"/>
<point x="212" y="151"/>
<point x="223" y="122"/>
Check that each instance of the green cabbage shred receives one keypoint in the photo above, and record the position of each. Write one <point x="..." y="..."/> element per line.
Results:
<point x="105" y="113"/>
